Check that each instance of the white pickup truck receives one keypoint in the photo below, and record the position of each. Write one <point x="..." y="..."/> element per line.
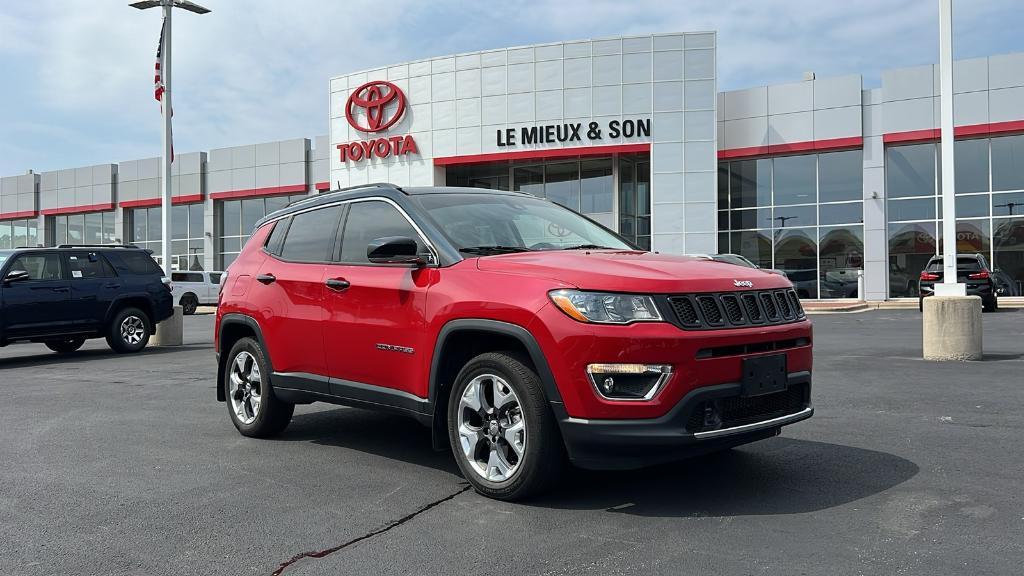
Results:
<point x="194" y="289"/>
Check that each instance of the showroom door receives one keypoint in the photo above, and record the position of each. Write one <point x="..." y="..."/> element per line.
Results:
<point x="375" y="327"/>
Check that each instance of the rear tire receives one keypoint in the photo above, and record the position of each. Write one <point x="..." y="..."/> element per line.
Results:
<point x="255" y="410"/>
<point x="501" y="429"/>
<point x="65" y="346"/>
<point x="129" y="330"/>
<point x="189" y="303"/>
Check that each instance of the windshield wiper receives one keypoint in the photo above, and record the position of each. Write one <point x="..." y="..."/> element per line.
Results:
<point x="493" y="249"/>
<point x="588" y="247"/>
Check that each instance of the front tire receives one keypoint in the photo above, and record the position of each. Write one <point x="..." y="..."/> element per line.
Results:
<point x="129" y="330"/>
<point x="189" y="303"/>
<point x="501" y="430"/>
<point x="255" y="410"/>
<point x="65" y="346"/>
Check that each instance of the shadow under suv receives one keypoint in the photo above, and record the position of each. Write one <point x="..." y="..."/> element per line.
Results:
<point x="522" y="333"/>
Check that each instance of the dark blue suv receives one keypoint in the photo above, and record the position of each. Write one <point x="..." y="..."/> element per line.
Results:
<point x="65" y="295"/>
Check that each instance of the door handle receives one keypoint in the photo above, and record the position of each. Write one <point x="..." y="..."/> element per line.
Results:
<point x="112" y="286"/>
<point x="62" y="289"/>
<point x="266" y="278"/>
<point x="337" y="284"/>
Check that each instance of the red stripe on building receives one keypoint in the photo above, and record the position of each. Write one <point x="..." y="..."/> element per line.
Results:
<point x="78" y="209"/>
<point x="270" y="191"/>
<point x="150" y="202"/>
<point x="16" y="215"/>
<point x="323" y="185"/>
<point x="969" y="131"/>
<point x="536" y="154"/>
<point x="793" y="148"/>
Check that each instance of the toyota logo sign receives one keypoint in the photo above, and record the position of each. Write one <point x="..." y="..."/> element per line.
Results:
<point x="382" y="104"/>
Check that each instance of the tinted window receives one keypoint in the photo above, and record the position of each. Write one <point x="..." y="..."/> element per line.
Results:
<point x="38" y="266"/>
<point x="796" y="180"/>
<point x="277" y="236"/>
<point x="751" y="183"/>
<point x="850" y="212"/>
<point x="840" y="176"/>
<point x="186" y="277"/>
<point x="368" y="221"/>
<point x="910" y="170"/>
<point x="311" y="236"/>
<point x="215" y="277"/>
<point x="1007" y="158"/>
<point x="971" y="165"/>
<point x="88" y="265"/>
<point x="139" y="262"/>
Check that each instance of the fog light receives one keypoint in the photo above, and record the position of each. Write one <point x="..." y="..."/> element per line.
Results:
<point x="628" y="381"/>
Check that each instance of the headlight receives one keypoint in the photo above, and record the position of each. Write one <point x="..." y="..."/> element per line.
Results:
<point x="606" y="308"/>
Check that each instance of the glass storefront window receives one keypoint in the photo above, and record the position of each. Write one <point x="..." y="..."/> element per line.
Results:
<point x="1011" y="204"/>
<point x="18" y="234"/>
<point x="490" y="176"/>
<point x="529" y="179"/>
<point x="840" y="176"/>
<point x="750" y="219"/>
<point x="723" y="186"/>
<point x="750" y="183"/>
<point x="795" y="180"/>
<point x="635" y="200"/>
<point x="841" y="258"/>
<point x="1007" y="159"/>
<point x="971" y="165"/>
<point x="971" y="206"/>
<point x="910" y="248"/>
<point x="912" y="209"/>
<point x="910" y="171"/>
<point x="91" y="228"/>
<point x="755" y="246"/>
<point x="562" y="184"/>
<point x="796" y="254"/>
<point x="844" y="213"/>
<point x="596" y="186"/>
<point x="794" y="216"/>
<point x="186" y="234"/>
<point x="1008" y="252"/>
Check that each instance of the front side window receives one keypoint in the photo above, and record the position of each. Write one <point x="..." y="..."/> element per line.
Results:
<point x="368" y="221"/>
<point x="478" y="221"/>
<point x="38" y="266"/>
<point x="311" y="236"/>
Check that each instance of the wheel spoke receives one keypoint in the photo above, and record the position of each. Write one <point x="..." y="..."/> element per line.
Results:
<point x="503" y="396"/>
<point x="254" y="405"/>
<point x="515" y="436"/>
<point x="497" y="468"/>
<point x="473" y="397"/>
<point x="470" y="437"/>
<point x="240" y="362"/>
<point x="236" y="385"/>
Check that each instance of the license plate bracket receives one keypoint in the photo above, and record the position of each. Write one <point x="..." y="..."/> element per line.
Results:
<point x="764" y="375"/>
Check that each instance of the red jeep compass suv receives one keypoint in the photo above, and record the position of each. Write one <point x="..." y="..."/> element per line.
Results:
<point x="521" y="332"/>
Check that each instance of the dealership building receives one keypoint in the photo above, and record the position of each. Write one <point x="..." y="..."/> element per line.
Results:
<point x="820" y="178"/>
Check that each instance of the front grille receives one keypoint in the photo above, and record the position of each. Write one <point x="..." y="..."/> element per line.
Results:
<point x="709" y="311"/>
<point x="733" y="411"/>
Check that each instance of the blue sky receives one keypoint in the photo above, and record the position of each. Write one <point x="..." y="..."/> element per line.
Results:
<point x="76" y="77"/>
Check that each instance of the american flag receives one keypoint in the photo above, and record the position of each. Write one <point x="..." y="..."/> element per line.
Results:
<point x="158" y="81"/>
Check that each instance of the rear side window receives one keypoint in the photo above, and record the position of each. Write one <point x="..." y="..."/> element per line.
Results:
<point x="38" y="266"/>
<point x="88" y="265"/>
<point x="310" y="238"/>
<point x="139" y="262"/>
<point x="215" y="277"/>
<point x="367" y="221"/>
<point x="186" y="277"/>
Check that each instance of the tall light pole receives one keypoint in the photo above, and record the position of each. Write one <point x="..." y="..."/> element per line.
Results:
<point x="166" y="153"/>
<point x="949" y="285"/>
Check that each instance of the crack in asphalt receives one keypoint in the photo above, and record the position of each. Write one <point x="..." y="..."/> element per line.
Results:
<point x="391" y="525"/>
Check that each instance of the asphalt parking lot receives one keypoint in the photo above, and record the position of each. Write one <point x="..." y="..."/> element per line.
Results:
<point x="128" y="465"/>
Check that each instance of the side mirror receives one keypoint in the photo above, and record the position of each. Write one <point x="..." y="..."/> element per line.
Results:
<point x="394" y="250"/>
<point x="16" y="276"/>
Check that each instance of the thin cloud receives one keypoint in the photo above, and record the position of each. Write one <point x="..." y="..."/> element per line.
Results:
<point x="77" y="76"/>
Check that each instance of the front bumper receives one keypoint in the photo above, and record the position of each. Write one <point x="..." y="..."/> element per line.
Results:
<point x="625" y="444"/>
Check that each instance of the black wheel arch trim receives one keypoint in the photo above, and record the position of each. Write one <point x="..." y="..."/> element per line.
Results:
<point x="235" y="319"/>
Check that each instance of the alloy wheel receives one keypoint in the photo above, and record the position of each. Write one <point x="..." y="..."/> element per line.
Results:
<point x="133" y="330"/>
<point x="246" y="387"/>
<point x="491" y="428"/>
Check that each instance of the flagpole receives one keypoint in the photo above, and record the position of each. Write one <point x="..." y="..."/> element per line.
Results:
<point x="165" y="167"/>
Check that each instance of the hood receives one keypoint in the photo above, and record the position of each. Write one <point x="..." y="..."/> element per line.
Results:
<point x="632" y="271"/>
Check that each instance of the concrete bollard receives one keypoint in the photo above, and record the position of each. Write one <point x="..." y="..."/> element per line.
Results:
<point x="170" y="331"/>
<point x="952" y="328"/>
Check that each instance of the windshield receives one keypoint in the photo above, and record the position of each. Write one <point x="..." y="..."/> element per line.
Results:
<point x="513" y="223"/>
